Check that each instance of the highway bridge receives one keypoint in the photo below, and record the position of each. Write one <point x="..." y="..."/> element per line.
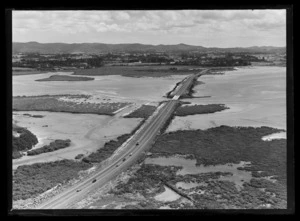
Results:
<point x="137" y="145"/>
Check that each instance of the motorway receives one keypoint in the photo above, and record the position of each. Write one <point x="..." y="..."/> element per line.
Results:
<point x="140" y="142"/>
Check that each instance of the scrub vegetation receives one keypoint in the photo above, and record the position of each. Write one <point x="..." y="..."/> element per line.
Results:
<point x="52" y="103"/>
<point x="199" y="109"/>
<point x="65" y="78"/>
<point x="55" y="145"/>
<point x="215" y="146"/>
<point x="31" y="180"/>
<point x="144" y="111"/>
<point x="22" y="140"/>
<point x="35" y="116"/>
<point x="106" y="151"/>
<point x="109" y="148"/>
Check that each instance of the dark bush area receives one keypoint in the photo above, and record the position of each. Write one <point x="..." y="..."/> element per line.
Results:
<point x="219" y="145"/>
<point x="16" y="154"/>
<point x="79" y="156"/>
<point x="25" y="141"/>
<point x="144" y="111"/>
<point x="199" y="109"/>
<point x="35" y="116"/>
<point x="32" y="180"/>
<point x="55" y="145"/>
<point x="66" y="78"/>
<point x="226" y="144"/>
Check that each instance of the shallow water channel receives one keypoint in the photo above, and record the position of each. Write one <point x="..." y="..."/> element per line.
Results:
<point x="189" y="167"/>
<point x="167" y="196"/>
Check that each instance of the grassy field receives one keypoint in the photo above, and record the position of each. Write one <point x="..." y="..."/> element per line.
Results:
<point x="66" y="78"/>
<point x="199" y="109"/>
<point x="144" y="111"/>
<point x="31" y="180"/>
<point x="141" y="71"/>
<point x="52" y="103"/>
<point x="215" y="146"/>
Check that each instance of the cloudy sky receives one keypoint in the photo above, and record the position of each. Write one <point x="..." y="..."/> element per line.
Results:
<point x="209" y="28"/>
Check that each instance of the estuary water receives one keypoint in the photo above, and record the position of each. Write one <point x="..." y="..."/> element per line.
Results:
<point x="256" y="97"/>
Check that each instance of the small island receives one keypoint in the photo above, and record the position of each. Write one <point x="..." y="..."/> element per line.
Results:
<point x="66" y="78"/>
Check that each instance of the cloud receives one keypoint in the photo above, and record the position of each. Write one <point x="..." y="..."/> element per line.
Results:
<point x="189" y="24"/>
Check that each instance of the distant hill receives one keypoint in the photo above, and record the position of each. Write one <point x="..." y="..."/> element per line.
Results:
<point x="54" y="48"/>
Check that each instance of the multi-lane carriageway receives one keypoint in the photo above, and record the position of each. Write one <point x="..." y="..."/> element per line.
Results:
<point x="139" y="143"/>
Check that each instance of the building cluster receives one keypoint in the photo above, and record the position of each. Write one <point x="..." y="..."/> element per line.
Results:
<point x="86" y="61"/>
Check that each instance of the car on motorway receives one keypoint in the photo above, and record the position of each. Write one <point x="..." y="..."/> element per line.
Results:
<point x="130" y="154"/>
<point x="117" y="165"/>
<point x="124" y="159"/>
<point x="94" y="181"/>
<point x="78" y="190"/>
<point x="136" y="144"/>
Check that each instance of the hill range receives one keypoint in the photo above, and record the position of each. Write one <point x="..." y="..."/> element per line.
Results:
<point x="55" y="48"/>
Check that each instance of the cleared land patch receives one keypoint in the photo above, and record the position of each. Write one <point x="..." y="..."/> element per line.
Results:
<point x="54" y="104"/>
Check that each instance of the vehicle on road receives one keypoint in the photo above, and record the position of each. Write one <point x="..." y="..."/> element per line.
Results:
<point x="117" y="165"/>
<point x="130" y="154"/>
<point x="78" y="190"/>
<point x="124" y="159"/>
<point x="137" y="144"/>
<point x="94" y="181"/>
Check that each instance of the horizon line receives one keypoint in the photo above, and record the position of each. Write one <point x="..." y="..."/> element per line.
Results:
<point x="147" y="44"/>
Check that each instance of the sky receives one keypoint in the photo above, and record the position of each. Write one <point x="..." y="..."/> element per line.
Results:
<point x="208" y="28"/>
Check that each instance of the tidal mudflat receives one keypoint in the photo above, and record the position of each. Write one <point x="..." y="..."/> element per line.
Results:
<point x="87" y="132"/>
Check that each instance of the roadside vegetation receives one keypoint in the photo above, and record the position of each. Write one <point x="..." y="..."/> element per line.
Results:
<point x="52" y="103"/>
<point x="31" y="180"/>
<point x="65" y="78"/>
<point x="22" y="140"/>
<point x="190" y="91"/>
<point x="109" y="147"/>
<point x="144" y="111"/>
<point x="53" y="146"/>
<point x="199" y="109"/>
<point x="106" y="151"/>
